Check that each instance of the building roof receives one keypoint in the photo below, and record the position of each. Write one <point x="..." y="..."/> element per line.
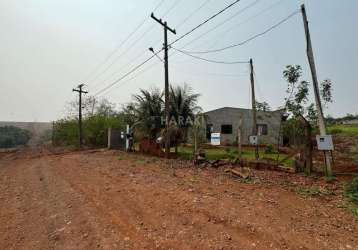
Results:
<point x="242" y="109"/>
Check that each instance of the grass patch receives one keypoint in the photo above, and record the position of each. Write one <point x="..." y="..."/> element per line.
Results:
<point x="351" y="191"/>
<point x="231" y="153"/>
<point x="348" y="130"/>
<point x="313" y="192"/>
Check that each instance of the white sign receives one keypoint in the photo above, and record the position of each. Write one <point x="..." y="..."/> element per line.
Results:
<point x="325" y="142"/>
<point x="254" y="140"/>
<point x="215" y="139"/>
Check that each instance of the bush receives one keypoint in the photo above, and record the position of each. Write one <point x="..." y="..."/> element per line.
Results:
<point x="269" y="149"/>
<point x="351" y="190"/>
<point x="11" y="136"/>
<point x="94" y="130"/>
<point x="335" y="131"/>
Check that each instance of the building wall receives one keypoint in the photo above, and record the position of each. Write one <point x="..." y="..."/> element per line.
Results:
<point x="231" y="116"/>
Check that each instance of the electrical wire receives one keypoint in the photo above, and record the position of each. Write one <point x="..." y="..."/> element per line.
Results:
<point x="113" y="52"/>
<point x="180" y="24"/>
<point x="134" y="43"/>
<point x="178" y="39"/>
<point x="208" y="60"/>
<point x="227" y="31"/>
<point x="247" y="40"/>
<point x="132" y="78"/>
<point x="206" y="21"/>
<point x="192" y="14"/>
<point x="223" y="22"/>
<point x="176" y="2"/>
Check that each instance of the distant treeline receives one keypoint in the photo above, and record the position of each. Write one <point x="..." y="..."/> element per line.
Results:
<point x="347" y="117"/>
<point x="11" y="136"/>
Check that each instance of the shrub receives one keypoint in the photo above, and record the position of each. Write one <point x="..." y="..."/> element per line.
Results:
<point x="94" y="130"/>
<point x="269" y="149"/>
<point x="335" y="131"/>
<point x="351" y="190"/>
<point x="11" y="136"/>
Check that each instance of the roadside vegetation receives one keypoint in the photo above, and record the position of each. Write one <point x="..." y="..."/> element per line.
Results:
<point x="11" y="136"/>
<point x="351" y="193"/>
<point x="231" y="153"/>
<point x="98" y="117"/>
<point x="345" y="130"/>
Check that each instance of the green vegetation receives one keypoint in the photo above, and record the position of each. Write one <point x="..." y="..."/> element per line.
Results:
<point x="231" y="153"/>
<point x="351" y="191"/>
<point x="313" y="191"/>
<point x="94" y="130"/>
<point x="11" y="136"/>
<point x="347" y="130"/>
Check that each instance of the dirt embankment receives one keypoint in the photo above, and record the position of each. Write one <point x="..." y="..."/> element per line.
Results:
<point x="112" y="200"/>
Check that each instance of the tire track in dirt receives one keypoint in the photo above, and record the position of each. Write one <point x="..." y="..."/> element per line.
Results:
<point x="102" y="200"/>
<point x="206" y="222"/>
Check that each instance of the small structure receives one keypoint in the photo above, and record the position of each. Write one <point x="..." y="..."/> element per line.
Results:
<point x="226" y="122"/>
<point x="351" y="122"/>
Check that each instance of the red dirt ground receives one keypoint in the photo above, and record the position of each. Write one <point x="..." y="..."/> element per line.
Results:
<point x="112" y="200"/>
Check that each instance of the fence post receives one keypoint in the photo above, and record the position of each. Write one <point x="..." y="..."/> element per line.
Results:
<point x="109" y="138"/>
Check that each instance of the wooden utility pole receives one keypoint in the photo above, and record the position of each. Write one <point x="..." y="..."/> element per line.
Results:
<point x="254" y="118"/>
<point x="321" y="123"/>
<point x="166" y="78"/>
<point x="80" y="92"/>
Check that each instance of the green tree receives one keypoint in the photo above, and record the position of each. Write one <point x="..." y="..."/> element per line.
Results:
<point x="147" y="110"/>
<point x="11" y="136"/>
<point x="262" y="106"/>
<point x="298" y="94"/>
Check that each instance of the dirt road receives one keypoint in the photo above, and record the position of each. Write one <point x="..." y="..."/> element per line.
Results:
<point x="111" y="200"/>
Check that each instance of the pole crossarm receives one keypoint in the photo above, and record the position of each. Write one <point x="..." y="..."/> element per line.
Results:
<point x="160" y="21"/>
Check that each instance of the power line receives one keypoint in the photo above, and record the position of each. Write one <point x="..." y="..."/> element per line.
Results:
<point x="223" y="22"/>
<point x="193" y="13"/>
<point x="125" y="75"/>
<point x="121" y="44"/>
<point x="132" y="78"/>
<point x="206" y="21"/>
<point x="247" y="40"/>
<point x="132" y="45"/>
<point x="208" y="60"/>
<point x="178" y="39"/>
<point x="176" y="2"/>
<point x="221" y="34"/>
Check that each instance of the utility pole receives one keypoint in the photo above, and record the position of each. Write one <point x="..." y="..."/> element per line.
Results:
<point x="166" y="78"/>
<point x="321" y="123"/>
<point x="80" y="92"/>
<point x="254" y="118"/>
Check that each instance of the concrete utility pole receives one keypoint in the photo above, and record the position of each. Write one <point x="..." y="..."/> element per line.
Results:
<point x="254" y="118"/>
<point x="80" y="92"/>
<point x="321" y="123"/>
<point x="166" y="72"/>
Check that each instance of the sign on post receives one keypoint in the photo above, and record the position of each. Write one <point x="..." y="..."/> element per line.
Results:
<point x="215" y="139"/>
<point x="325" y="142"/>
<point x="254" y="139"/>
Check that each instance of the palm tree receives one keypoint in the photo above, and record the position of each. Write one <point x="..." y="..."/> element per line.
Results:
<point x="183" y="107"/>
<point x="147" y="110"/>
<point x="183" y="103"/>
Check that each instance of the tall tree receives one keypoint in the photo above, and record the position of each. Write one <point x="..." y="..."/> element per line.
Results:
<point x="147" y="109"/>
<point x="262" y="106"/>
<point x="183" y="104"/>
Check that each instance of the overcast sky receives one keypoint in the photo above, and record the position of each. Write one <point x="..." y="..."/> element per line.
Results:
<point x="50" y="46"/>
